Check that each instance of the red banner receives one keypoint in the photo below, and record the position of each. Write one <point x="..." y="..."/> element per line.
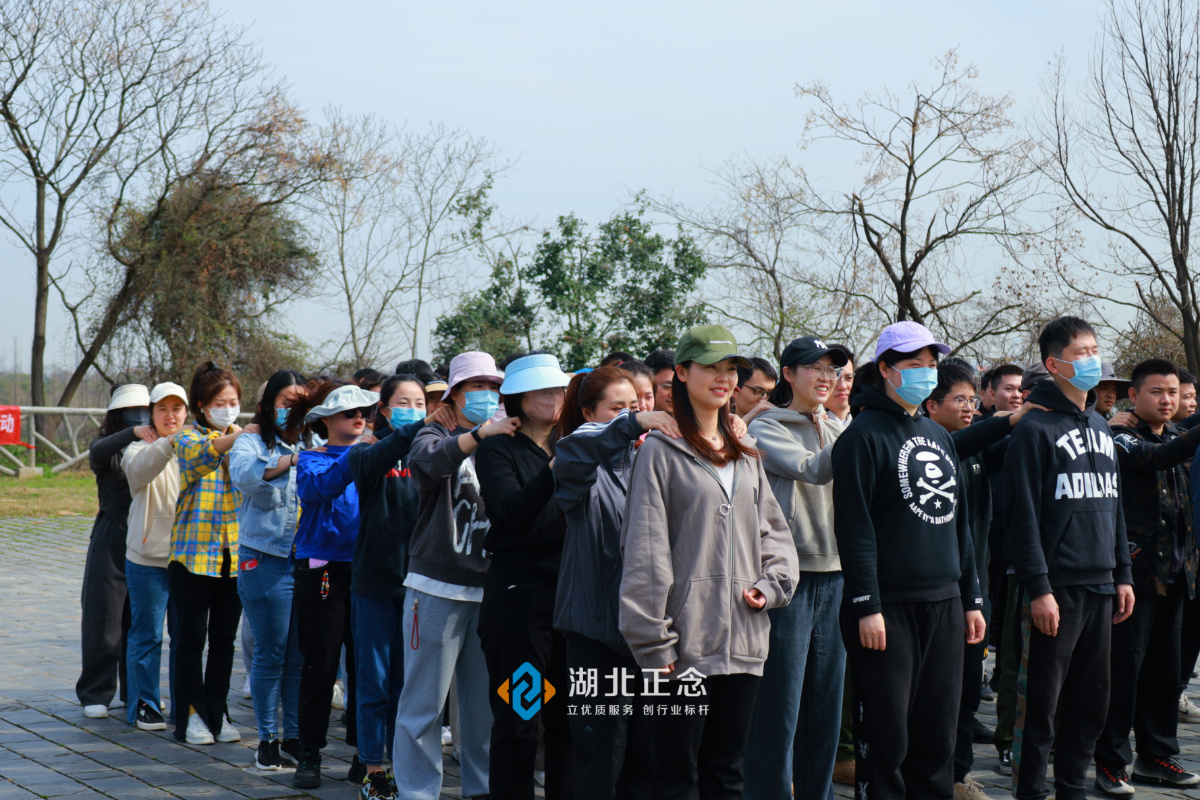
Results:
<point x="10" y="426"/>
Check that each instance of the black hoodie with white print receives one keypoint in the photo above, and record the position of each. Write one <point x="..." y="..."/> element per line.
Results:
<point x="1062" y="495"/>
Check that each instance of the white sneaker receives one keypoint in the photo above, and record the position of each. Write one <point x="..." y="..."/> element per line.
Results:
<point x="197" y="731"/>
<point x="96" y="711"/>
<point x="447" y="736"/>
<point x="228" y="733"/>
<point x="117" y="703"/>
<point x="1188" y="711"/>
<point x="246" y="689"/>
<point x="339" y="698"/>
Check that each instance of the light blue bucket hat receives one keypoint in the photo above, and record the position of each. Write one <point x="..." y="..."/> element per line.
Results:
<point x="531" y="373"/>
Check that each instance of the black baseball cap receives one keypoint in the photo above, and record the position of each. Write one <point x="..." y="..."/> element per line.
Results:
<point x="809" y="350"/>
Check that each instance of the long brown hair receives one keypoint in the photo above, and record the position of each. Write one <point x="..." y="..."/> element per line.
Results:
<point x="586" y="391"/>
<point x="731" y="448"/>
<point x="317" y="390"/>
<point x="207" y="382"/>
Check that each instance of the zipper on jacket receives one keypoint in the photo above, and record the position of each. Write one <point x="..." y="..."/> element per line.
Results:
<point x="725" y="509"/>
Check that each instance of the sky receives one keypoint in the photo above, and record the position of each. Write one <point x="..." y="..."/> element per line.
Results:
<point x="594" y="103"/>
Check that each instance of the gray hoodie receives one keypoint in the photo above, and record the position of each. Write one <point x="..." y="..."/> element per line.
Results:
<point x="689" y="552"/>
<point x="797" y="456"/>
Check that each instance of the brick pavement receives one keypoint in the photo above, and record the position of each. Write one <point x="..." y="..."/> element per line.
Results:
<point x="48" y="748"/>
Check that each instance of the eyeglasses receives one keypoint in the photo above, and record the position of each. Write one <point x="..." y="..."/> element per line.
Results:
<point x="758" y="392"/>
<point x="829" y="373"/>
<point x="666" y="385"/>
<point x="365" y="413"/>
<point x="963" y="402"/>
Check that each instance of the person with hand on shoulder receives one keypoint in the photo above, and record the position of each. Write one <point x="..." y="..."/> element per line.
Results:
<point x="911" y="590"/>
<point x="337" y="412"/>
<point x="1066" y="537"/>
<point x="447" y="569"/>
<point x="706" y="550"/>
<point x="262" y="464"/>
<point x="600" y="426"/>
<point x="204" y="541"/>
<point x="798" y="714"/>
<point x="104" y="599"/>
<point x="153" y="476"/>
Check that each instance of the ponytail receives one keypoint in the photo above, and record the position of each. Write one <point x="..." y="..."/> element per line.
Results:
<point x="318" y="390"/>
<point x="586" y="391"/>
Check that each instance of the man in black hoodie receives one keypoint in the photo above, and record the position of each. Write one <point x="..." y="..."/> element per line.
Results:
<point x="1145" y="651"/>
<point x="1066" y="535"/>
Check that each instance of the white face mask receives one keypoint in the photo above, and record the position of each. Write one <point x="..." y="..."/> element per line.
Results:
<point x="222" y="418"/>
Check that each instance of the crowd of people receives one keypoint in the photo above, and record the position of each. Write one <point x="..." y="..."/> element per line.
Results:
<point x="696" y="575"/>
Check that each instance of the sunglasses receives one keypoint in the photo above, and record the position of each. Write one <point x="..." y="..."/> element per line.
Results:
<point x="366" y="413"/>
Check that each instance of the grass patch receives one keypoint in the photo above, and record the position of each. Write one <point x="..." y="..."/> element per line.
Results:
<point x="67" y="494"/>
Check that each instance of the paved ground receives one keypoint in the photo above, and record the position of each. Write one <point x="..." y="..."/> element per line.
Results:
<point x="48" y="748"/>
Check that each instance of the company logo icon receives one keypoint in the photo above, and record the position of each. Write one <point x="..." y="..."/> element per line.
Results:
<point x="527" y="691"/>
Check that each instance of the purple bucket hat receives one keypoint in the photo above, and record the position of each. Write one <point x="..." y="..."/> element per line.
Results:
<point x="907" y="337"/>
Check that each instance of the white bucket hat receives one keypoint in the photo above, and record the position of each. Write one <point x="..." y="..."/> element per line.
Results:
<point x="343" y="398"/>
<point x="131" y="395"/>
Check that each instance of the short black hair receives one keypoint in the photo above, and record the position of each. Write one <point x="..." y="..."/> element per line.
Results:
<point x="760" y="364"/>
<point x="1186" y="377"/>
<point x="616" y="359"/>
<point x="997" y="374"/>
<point x="638" y="368"/>
<point x="849" y="353"/>
<point x="1059" y="333"/>
<point x="660" y="360"/>
<point x="368" y="377"/>
<point x="951" y="373"/>
<point x="1152" y="366"/>
<point x="985" y="380"/>
<point x="503" y="363"/>
<point x="413" y="366"/>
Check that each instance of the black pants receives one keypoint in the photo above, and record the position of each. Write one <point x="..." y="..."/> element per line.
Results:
<point x="1189" y="639"/>
<point x="1145" y="652"/>
<point x="612" y="756"/>
<point x="209" y="609"/>
<point x="515" y="627"/>
<point x="968" y="706"/>
<point x="908" y="696"/>
<point x="1069" y="673"/>
<point x="997" y="588"/>
<point x="105" y="619"/>
<point x="321" y="599"/>
<point x="698" y="755"/>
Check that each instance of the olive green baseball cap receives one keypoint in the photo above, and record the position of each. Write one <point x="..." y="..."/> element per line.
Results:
<point x="708" y="344"/>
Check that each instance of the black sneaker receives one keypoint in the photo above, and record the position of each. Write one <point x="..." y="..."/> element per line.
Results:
<point x="982" y="733"/>
<point x="1112" y="780"/>
<point x="358" y="771"/>
<point x="150" y="718"/>
<point x="308" y="771"/>
<point x="986" y="693"/>
<point x="290" y="752"/>
<point x="1162" y="772"/>
<point x="1005" y="757"/>
<point x="377" y="786"/>
<point x="268" y="755"/>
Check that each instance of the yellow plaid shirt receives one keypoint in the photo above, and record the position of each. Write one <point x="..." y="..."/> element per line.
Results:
<point x="206" y="518"/>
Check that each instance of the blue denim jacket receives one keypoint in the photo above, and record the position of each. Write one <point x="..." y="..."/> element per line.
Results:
<point x="267" y="515"/>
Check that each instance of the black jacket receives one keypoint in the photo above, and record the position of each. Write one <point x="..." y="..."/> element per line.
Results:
<point x="387" y="511"/>
<point x="591" y="471"/>
<point x="981" y="448"/>
<point x="897" y="495"/>
<point x="1156" y="499"/>
<point x="112" y="488"/>
<point x="1064" y="524"/>
<point x="517" y="486"/>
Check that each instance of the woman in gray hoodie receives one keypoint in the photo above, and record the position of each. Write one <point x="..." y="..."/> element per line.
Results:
<point x="802" y="679"/>
<point x="706" y="549"/>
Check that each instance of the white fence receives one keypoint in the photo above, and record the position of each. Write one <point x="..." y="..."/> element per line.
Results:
<point x="74" y="422"/>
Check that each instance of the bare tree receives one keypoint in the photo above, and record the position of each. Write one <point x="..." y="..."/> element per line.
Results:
<point x="777" y="273"/>
<point x="96" y="94"/>
<point x="945" y="181"/>
<point x="1122" y="152"/>
<point x="401" y="217"/>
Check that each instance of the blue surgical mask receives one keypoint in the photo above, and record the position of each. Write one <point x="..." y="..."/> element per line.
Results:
<point x="481" y="406"/>
<point x="403" y="416"/>
<point x="281" y="417"/>
<point x="916" y="383"/>
<point x="1087" y="372"/>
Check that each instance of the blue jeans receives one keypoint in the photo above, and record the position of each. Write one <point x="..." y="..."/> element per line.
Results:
<point x="798" y="713"/>
<point x="265" y="588"/>
<point x="378" y="624"/>
<point x="149" y="599"/>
